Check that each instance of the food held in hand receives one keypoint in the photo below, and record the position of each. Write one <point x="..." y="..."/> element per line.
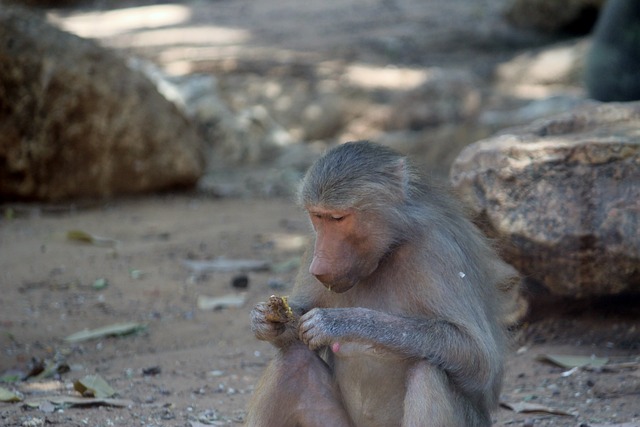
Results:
<point x="279" y="310"/>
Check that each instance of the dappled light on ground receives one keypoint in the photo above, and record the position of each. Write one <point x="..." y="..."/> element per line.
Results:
<point x="199" y="35"/>
<point x="117" y="22"/>
<point x="395" y="78"/>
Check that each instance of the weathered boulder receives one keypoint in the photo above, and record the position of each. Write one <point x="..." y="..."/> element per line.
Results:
<point x="553" y="16"/>
<point x="563" y="197"/>
<point x="77" y="122"/>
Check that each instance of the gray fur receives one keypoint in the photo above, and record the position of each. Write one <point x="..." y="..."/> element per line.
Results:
<point x="429" y="313"/>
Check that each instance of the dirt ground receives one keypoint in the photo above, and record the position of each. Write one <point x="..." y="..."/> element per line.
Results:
<point x="189" y="366"/>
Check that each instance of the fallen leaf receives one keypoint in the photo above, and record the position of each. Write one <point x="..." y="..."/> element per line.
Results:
<point x="50" y="369"/>
<point x="527" y="407"/>
<point x="117" y="329"/>
<point x="79" y="401"/>
<point x="633" y="367"/>
<point x="213" y="303"/>
<point x="92" y="239"/>
<point x="100" y="284"/>
<point x="93" y="386"/>
<point x="65" y="401"/>
<point x="136" y="274"/>
<point x="32" y="404"/>
<point x="225" y="265"/>
<point x="568" y="362"/>
<point x="8" y="396"/>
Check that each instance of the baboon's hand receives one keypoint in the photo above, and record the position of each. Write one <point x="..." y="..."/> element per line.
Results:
<point x="321" y="327"/>
<point x="262" y="328"/>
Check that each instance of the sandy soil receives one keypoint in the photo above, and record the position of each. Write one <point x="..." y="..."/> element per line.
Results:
<point x="193" y="367"/>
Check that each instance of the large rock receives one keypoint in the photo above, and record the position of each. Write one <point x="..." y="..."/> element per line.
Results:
<point x="77" y="122"/>
<point x="563" y="196"/>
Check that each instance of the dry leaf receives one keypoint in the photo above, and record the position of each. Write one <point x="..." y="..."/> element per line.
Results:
<point x="117" y="329"/>
<point x="527" y="407"/>
<point x="64" y="401"/>
<point x="84" y="237"/>
<point x="8" y="396"/>
<point x="93" y="386"/>
<point x="569" y="361"/>
<point x="225" y="265"/>
<point x="213" y="303"/>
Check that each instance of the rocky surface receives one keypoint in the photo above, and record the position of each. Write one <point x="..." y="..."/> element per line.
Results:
<point x="93" y="130"/>
<point x="563" y="195"/>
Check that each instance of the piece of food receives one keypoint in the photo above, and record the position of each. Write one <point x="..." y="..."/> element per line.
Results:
<point x="279" y="310"/>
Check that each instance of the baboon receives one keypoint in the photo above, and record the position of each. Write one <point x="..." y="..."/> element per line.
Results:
<point x="406" y="329"/>
<point x="613" y="62"/>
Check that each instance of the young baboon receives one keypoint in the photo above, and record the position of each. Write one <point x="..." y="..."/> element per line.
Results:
<point x="406" y="329"/>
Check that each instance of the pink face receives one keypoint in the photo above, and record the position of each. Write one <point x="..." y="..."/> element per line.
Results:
<point x="342" y="254"/>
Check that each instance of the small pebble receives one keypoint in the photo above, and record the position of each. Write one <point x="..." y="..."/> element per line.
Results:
<point x="240" y="281"/>
<point x="153" y="370"/>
